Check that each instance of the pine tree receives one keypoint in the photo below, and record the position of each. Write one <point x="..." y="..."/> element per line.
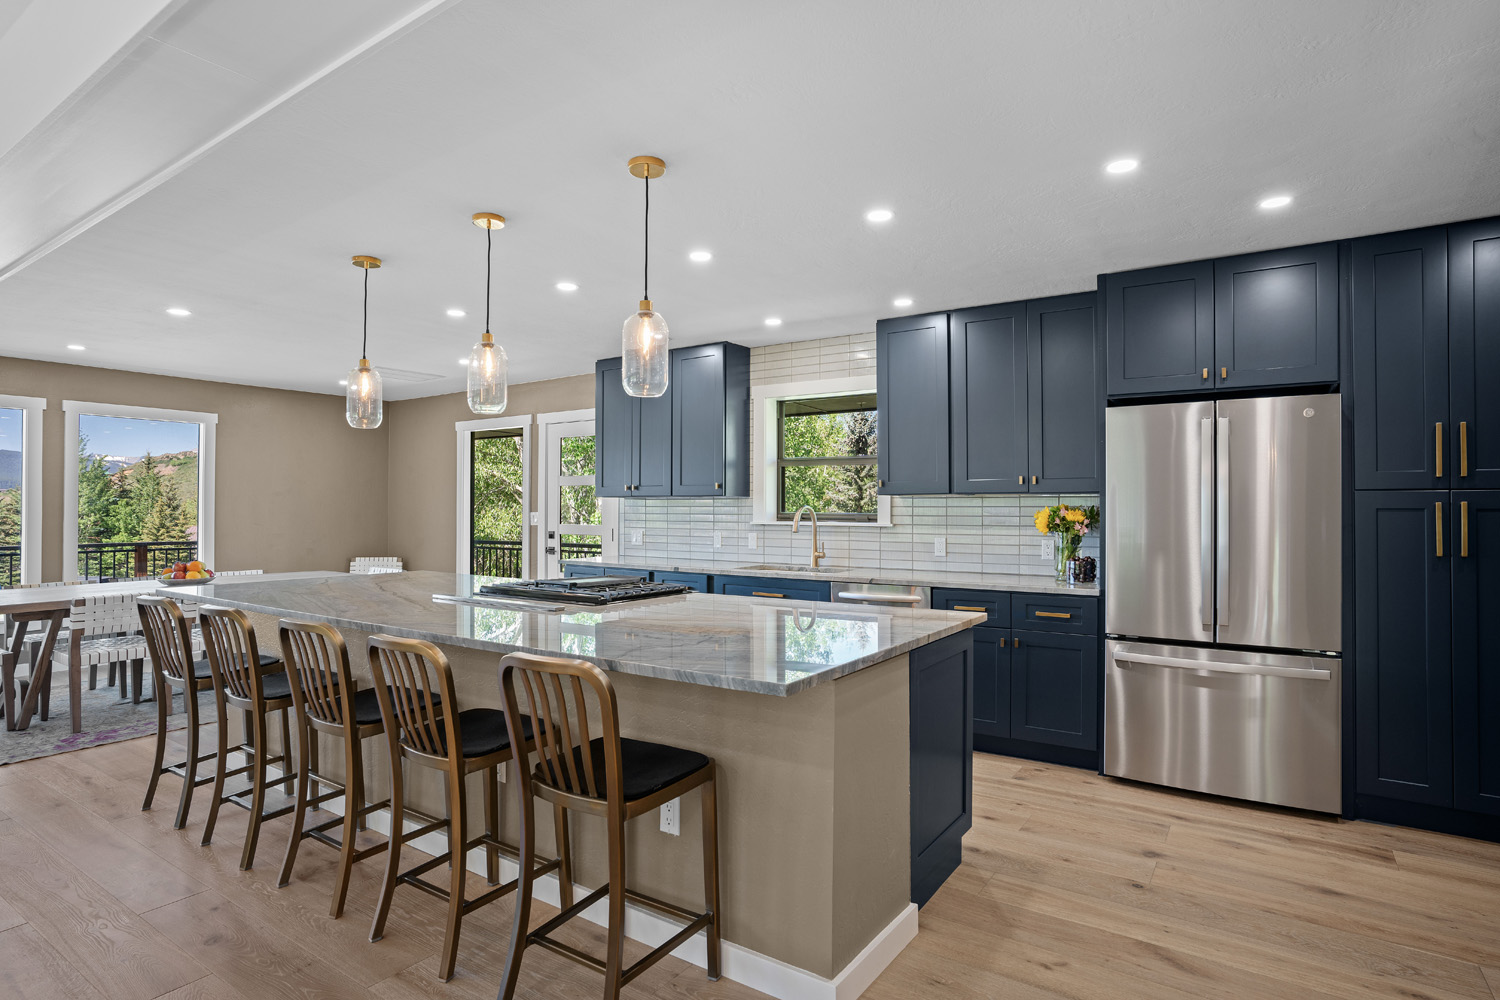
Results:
<point x="167" y="520"/>
<point x="97" y="495"/>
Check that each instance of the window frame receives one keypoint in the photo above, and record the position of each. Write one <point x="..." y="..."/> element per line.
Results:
<point x="32" y="408"/>
<point x="783" y="463"/>
<point x="465" y="430"/>
<point x="207" y="440"/>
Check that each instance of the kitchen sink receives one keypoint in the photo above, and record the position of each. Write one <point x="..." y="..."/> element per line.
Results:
<point x="777" y="569"/>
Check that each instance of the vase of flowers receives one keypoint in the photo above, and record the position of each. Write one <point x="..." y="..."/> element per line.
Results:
<point x="1068" y="524"/>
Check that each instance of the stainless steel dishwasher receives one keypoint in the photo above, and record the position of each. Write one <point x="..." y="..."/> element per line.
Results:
<point x="885" y="595"/>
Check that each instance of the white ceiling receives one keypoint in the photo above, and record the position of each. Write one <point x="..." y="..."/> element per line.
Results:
<point x="984" y="127"/>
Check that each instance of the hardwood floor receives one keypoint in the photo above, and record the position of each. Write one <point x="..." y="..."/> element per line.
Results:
<point x="1072" y="886"/>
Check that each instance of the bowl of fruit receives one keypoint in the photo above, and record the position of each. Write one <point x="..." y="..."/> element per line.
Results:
<point x="185" y="574"/>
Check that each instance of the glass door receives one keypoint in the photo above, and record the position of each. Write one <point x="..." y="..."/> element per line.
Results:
<point x="497" y="502"/>
<point x="573" y="524"/>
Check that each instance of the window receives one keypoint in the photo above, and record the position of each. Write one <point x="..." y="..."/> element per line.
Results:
<point x="499" y="503"/>
<point x="20" y="489"/>
<point x="825" y="457"/>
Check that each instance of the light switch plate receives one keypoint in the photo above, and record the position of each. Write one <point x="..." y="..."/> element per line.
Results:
<point x="940" y="546"/>
<point x="536" y="517"/>
<point x="635" y="537"/>
<point x="671" y="817"/>
<point x="752" y="540"/>
<point x="1047" y="550"/>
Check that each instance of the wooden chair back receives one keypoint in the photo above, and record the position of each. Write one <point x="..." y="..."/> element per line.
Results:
<point x="168" y="635"/>
<point x="318" y="662"/>
<point x="233" y="653"/>
<point x="558" y="695"/>
<point x="414" y="684"/>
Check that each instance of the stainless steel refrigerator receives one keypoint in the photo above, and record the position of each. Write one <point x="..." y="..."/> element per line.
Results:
<point x="1222" y="530"/>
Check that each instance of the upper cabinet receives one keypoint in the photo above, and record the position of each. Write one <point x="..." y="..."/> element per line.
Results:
<point x="1065" y="396"/>
<point x="988" y="383"/>
<point x="1474" y="353"/>
<point x="693" y="440"/>
<point x="1253" y="321"/>
<point x="911" y="399"/>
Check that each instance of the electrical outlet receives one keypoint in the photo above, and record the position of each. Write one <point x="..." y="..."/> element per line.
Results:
<point x="718" y="539"/>
<point x="671" y="818"/>
<point x="635" y="537"/>
<point x="940" y="546"/>
<point x="1047" y="551"/>
<point x="752" y="540"/>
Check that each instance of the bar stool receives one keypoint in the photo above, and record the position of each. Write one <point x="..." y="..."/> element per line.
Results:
<point x="615" y="778"/>
<point x="415" y="687"/>
<point x="170" y="642"/>
<point x="327" y="701"/>
<point x="257" y="685"/>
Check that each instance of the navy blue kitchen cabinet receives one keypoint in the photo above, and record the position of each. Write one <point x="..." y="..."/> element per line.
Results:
<point x="1276" y="318"/>
<point x="911" y="400"/>
<point x="710" y="421"/>
<point x="1403" y="606"/>
<point x="1065" y="396"/>
<point x="697" y="581"/>
<point x="634" y="438"/>
<point x="575" y="569"/>
<point x="764" y="586"/>
<point x="1159" y="328"/>
<point x="1055" y="689"/>
<point x="988" y="409"/>
<point x="942" y="759"/>
<point x="1474" y="351"/>
<point x="992" y="682"/>
<point x="1476" y="652"/>
<point x="1399" y="315"/>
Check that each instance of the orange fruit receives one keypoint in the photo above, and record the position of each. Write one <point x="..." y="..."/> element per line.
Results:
<point x="195" y="566"/>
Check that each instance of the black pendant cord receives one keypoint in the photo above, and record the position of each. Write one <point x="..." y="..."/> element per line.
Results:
<point x="488" y="244"/>
<point x="646" y="257"/>
<point x="364" y="343"/>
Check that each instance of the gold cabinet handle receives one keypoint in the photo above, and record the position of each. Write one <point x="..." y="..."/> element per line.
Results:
<point x="1463" y="448"/>
<point x="761" y="593"/>
<point x="1016" y="642"/>
<point x="1439" y="507"/>
<point x="1020" y="480"/>
<point x="1463" y="529"/>
<point x="1224" y="373"/>
<point x="718" y="486"/>
<point x="1438" y="450"/>
<point x="1002" y="642"/>
<point x="1205" y="373"/>
<point x="969" y="607"/>
<point x="1033" y="480"/>
<point x="1054" y="614"/>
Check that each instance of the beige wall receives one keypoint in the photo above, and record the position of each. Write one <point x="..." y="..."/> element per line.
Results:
<point x="423" y="485"/>
<point x="297" y="488"/>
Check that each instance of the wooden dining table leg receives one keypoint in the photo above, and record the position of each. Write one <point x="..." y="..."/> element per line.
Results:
<point x="44" y="678"/>
<point x="18" y="642"/>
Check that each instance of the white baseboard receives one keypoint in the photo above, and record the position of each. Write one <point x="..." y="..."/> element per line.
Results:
<point x="749" y="968"/>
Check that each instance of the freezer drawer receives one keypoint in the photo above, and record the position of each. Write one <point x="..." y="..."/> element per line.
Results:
<point x="1258" y="726"/>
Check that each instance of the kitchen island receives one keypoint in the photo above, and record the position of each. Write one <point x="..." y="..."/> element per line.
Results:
<point x="816" y="713"/>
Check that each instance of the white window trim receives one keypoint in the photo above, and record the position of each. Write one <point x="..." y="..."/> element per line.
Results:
<point x="763" y="400"/>
<point x="466" y="429"/>
<point x="609" y="507"/>
<point x="31" y="408"/>
<point x="207" y="424"/>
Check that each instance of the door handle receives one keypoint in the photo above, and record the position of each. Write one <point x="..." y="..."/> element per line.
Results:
<point x="1002" y="642"/>
<point x="760" y="593"/>
<point x="1463" y="529"/>
<point x="970" y="607"/>
<point x="882" y="598"/>
<point x="1206" y="523"/>
<point x="1221" y="509"/>
<point x="552" y="550"/>
<point x="1054" y="614"/>
<point x="1439" y="522"/>
<point x="1223" y="668"/>
<point x="1463" y="448"/>
<point x="1224" y="374"/>
<point x="1438" y="449"/>
<point x="1205" y="373"/>
<point x="1033" y="480"/>
<point x="1020" y="480"/>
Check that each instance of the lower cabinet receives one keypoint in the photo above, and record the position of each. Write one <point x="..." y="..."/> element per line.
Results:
<point x="1054" y="689"/>
<point x="992" y="682"/>
<point x="760" y="586"/>
<point x="942" y="759"/>
<point x="1476" y="652"/>
<point x="697" y="581"/>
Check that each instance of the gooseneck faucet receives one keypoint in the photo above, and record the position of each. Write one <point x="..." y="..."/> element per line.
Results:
<point x="817" y="550"/>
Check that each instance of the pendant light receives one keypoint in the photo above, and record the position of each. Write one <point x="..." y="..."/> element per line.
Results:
<point x="644" y="338"/>
<point x="364" y="403"/>
<point x="488" y="366"/>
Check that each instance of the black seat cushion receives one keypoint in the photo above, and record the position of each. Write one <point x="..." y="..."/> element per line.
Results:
<point x="202" y="672"/>
<point x="367" y="705"/>
<point x="648" y="767"/>
<point x="483" y="731"/>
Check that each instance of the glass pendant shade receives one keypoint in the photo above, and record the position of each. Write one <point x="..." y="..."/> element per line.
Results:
<point x="488" y="373"/>
<point x="364" y="402"/>
<point x="644" y="350"/>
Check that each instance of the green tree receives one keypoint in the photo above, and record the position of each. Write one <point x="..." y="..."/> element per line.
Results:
<point x="97" y="495"/>
<point x="168" y="520"/>
<point x="497" y="481"/>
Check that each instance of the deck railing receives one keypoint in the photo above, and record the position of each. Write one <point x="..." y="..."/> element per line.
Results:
<point x="10" y="565"/>
<point x="129" y="560"/>
<point x="491" y="557"/>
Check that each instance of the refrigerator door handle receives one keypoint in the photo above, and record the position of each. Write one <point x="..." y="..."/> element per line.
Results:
<point x="1255" y="669"/>
<point x="1222" y="517"/>
<point x="1206" y="524"/>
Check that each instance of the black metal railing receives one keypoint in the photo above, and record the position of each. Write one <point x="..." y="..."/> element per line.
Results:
<point x="129" y="560"/>
<point x="10" y="565"/>
<point x="489" y="557"/>
<point x="581" y="550"/>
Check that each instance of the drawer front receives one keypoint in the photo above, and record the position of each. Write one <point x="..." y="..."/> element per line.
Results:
<point x="994" y="603"/>
<point x="698" y="581"/>
<point x="1055" y="613"/>
<point x="760" y="586"/>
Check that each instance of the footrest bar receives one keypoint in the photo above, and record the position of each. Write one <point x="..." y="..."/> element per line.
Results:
<point x="571" y="912"/>
<point x="566" y="951"/>
<point x="665" y="948"/>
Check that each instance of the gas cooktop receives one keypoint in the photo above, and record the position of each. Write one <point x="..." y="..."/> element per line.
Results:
<point x="586" y="589"/>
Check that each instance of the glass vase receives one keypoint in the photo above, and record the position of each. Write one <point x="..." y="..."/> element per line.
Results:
<point x="1064" y="549"/>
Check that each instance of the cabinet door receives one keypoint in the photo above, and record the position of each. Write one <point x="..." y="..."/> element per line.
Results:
<point x="988" y="402"/>
<point x="1474" y="347"/>
<point x="1159" y="328"/>
<point x="1399" y="313"/>
<point x="757" y="586"/>
<point x="992" y="682"/>
<point x="1476" y="652"/>
<point x="653" y="445"/>
<point x="1277" y="318"/>
<point x="1403" y="645"/>
<point x="1054" y="689"/>
<point x="942" y="759"/>
<point x="698" y="421"/>
<point x="1066" y="395"/>
<point x="911" y="379"/>
<point x="614" y="418"/>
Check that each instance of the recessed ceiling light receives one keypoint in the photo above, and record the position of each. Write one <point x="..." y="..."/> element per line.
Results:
<point x="463" y="361"/>
<point x="178" y="311"/>
<point x="457" y="313"/>
<point x="1124" y="166"/>
<point x="901" y="303"/>
<point x="879" y="215"/>
<point x="75" y="347"/>
<point x="343" y="381"/>
<point x="773" y="321"/>
<point x="1276" y="201"/>
<point x="700" y="256"/>
<point x="567" y="286"/>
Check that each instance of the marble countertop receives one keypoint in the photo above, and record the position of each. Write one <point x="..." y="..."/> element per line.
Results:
<point x="1023" y="584"/>
<point x="764" y="646"/>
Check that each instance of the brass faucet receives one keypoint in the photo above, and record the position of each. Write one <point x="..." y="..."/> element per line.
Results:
<point x="817" y="550"/>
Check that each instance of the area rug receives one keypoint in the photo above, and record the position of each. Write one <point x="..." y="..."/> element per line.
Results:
<point x="107" y="718"/>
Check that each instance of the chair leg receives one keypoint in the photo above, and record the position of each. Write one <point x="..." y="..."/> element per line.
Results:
<point x="353" y="801"/>
<point x="161" y="741"/>
<point x="220" y="765"/>
<point x="299" y="814"/>
<point x="521" y="922"/>
<point x="711" y="870"/>
<point x="75" y="692"/>
<point x="360" y="824"/>
<point x="190" y="770"/>
<point x="8" y="682"/>
<point x="614" y="962"/>
<point x="137" y="678"/>
<point x="117" y="670"/>
<point x="44" y="703"/>
<point x="257" y="791"/>
<point x="94" y="676"/>
<point x="312" y="756"/>
<point x="564" y="855"/>
<point x="491" y="779"/>
<point x="286" y="743"/>
<point x="457" y="834"/>
<point x="393" y="852"/>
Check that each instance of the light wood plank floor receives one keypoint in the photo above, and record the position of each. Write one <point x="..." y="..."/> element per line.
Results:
<point x="1072" y="886"/>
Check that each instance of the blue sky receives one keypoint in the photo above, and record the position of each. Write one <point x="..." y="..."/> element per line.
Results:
<point x="10" y="430"/>
<point x="131" y="437"/>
